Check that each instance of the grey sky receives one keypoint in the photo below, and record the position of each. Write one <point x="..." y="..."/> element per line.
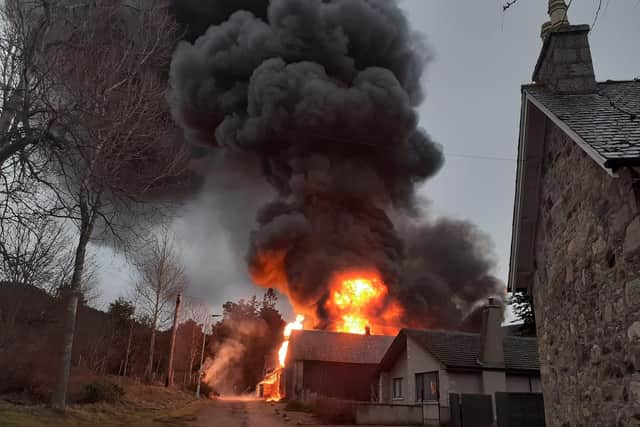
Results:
<point x="472" y="108"/>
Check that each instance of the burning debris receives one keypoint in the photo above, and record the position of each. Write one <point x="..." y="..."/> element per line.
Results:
<point x="323" y="94"/>
<point x="293" y="326"/>
<point x="269" y="388"/>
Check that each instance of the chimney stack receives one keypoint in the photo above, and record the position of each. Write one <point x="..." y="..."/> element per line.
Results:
<point x="558" y="17"/>
<point x="492" y="335"/>
<point x="564" y="65"/>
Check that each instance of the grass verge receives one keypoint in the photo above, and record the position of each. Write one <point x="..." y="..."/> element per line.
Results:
<point x="141" y="406"/>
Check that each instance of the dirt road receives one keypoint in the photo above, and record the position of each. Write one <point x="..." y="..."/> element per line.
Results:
<point x="247" y="413"/>
<point x="252" y="413"/>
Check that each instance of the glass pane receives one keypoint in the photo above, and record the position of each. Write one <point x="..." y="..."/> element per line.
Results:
<point x="431" y="386"/>
<point x="397" y="387"/>
<point x="427" y="387"/>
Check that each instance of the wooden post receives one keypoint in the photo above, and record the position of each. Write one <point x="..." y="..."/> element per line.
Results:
<point x="174" y="330"/>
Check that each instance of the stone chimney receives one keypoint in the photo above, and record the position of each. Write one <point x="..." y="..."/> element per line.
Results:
<point x="564" y="65"/>
<point x="492" y="335"/>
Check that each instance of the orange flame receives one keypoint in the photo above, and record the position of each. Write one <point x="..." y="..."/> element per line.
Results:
<point x="360" y="300"/>
<point x="270" y="386"/>
<point x="271" y="383"/>
<point x="293" y="326"/>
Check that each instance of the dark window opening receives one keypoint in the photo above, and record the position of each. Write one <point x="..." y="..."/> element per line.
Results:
<point x="427" y="388"/>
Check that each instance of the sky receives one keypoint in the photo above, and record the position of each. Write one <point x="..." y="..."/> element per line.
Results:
<point x="472" y="108"/>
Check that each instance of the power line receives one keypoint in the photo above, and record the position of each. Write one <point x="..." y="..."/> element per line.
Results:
<point x="480" y="157"/>
<point x="332" y="138"/>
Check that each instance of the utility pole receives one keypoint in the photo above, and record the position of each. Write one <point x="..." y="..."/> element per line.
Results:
<point x="174" y="330"/>
<point x="204" y="339"/>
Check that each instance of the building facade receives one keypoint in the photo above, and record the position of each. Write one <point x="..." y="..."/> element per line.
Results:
<point x="576" y="235"/>
<point x="424" y="367"/>
<point x="332" y="364"/>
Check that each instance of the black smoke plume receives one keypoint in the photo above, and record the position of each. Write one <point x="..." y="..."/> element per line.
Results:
<point x="323" y="93"/>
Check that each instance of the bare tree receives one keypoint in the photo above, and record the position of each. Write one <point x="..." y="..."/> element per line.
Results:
<point x="60" y="285"/>
<point x="111" y="125"/>
<point x="29" y="255"/>
<point x="199" y="313"/>
<point x="161" y="279"/>
<point x="30" y="251"/>
<point x="26" y="121"/>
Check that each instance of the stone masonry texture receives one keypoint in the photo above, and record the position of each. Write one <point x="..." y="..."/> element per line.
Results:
<point x="587" y="290"/>
<point x="567" y="67"/>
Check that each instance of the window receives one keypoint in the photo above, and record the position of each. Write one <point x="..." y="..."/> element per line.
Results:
<point x="427" y="387"/>
<point x="397" y="388"/>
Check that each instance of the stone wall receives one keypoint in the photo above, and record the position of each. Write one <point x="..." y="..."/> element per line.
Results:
<point x="566" y="65"/>
<point x="587" y="290"/>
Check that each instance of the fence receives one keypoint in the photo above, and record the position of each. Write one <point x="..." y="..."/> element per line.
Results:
<point x="471" y="410"/>
<point x="520" y="410"/>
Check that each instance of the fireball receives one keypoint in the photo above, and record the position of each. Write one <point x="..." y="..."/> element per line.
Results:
<point x="359" y="303"/>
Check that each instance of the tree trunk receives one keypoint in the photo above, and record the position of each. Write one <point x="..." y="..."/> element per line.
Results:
<point x="192" y="354"/>
<point x="152" y="344"/>
<point x="152" y="341"/>
<point x="126" y="357"/>
<point x="59" y="397"/>
<point x="172" y="347"/>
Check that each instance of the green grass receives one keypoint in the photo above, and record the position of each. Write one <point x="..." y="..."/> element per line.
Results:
<point x="142" y="406"/>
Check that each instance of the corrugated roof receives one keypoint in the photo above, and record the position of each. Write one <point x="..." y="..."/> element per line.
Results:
<point x="338" y="347"/>
<point x="461" y="350"/>
<point x="608" y="121"/>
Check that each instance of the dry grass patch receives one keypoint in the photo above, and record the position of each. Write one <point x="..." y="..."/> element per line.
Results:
<point x="141" y="406"/>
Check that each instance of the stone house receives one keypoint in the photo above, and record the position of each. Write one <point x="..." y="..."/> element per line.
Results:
<point x="332" y="364"/>
<point x="422" y="367"/>
<point x="576" y="230"/>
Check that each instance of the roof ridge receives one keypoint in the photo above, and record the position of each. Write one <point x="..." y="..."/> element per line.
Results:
<point x="611" y="81"/>
<point x="299" y="331"/>
<point x="441" y="331"/>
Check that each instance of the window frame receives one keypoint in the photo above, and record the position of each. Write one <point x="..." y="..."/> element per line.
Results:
<point x="394" y="396"/>
<point x="424" y="375"/>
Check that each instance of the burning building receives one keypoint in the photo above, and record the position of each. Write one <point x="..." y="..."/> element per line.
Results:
<point x="323" y="95"/>
<point x="333" y="364"/>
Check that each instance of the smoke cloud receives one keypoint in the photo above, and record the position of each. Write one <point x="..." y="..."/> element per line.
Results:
<point x="233" y="355"/>
<point x="322" y="93"/>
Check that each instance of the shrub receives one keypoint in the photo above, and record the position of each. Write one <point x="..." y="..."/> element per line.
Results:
<point x="102" y="391"/>
<point x="25" y="384"/>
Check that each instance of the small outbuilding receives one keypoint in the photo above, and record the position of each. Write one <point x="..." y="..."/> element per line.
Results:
<point x="333" y="364"/>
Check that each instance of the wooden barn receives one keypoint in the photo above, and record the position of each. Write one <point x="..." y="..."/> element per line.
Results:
<point x="333" y="364"/>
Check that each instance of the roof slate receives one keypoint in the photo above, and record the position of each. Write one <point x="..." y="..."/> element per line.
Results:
<point x="608" y="121"/>
<point x="461" y="350"/>
<point x="338" y="347"/>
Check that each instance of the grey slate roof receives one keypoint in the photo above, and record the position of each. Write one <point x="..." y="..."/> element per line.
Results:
<point x="338" y="347"/>
<point x="608" y="121"/>
<point x="461" y="350"/>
